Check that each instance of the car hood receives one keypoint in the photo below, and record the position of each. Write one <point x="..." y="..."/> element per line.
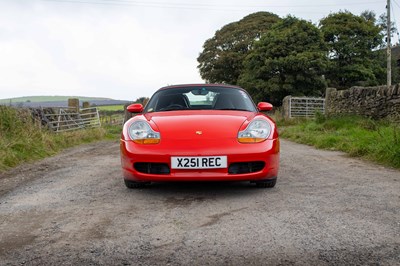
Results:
<point x="181" y="125"/>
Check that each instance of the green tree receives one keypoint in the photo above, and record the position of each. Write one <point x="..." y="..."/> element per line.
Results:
<point x="289" y="60"/>
<point x="352" y="41"/>
<point x="369" y="15"/>
<point x="382" y="23"/>
<point x="222" y="57"/>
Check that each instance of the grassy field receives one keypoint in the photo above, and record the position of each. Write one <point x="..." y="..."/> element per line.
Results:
<point x="23" y="141"/>
<point x="112" y="108"/>
<point x="378" y="141"/>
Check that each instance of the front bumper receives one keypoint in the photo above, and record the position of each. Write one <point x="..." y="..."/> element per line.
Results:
<point x="266" y="152"/>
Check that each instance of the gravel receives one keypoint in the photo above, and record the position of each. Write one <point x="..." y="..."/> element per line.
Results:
<point x="74" y="209"/>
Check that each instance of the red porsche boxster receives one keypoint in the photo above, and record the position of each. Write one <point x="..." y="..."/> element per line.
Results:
<point x="201" y="132"/>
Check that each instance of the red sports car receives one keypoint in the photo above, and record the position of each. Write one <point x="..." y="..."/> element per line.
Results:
<point x="201" y="132"/>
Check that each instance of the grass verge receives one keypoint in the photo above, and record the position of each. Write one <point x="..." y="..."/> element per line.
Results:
<point x="112" y="132"/>
<point x="23" y="141"/>
<point x="378" y="141"/>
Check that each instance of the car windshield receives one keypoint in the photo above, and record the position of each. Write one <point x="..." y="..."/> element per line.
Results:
<point x="200" y="98"/>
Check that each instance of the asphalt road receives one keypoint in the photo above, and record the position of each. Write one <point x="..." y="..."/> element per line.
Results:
<point x="326" y="209"/>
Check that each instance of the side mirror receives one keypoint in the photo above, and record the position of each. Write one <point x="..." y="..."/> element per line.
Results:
<point x="135" y="108"/>
<point x="263" y="106"/>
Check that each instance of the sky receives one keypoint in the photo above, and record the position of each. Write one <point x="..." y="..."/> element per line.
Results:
<point x="126" y="49"/>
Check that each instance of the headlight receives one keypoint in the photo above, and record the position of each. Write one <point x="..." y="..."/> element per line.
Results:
<point x="256" y="131"/>
<point x="141" y="132"/>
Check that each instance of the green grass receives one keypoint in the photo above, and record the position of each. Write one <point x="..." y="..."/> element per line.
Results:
<point x="112" y="108"/>
<point x="21" y="140"/>
<point x="113" y="132"/>
<point x="378" y="141"/>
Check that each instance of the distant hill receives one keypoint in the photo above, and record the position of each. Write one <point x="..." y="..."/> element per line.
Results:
<point x="57" y="101"/>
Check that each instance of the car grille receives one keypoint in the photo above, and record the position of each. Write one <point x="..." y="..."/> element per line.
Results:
<point x="152" y="168"/>
<point x="245" y="167"/>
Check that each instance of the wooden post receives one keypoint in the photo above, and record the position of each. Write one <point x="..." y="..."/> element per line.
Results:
<point x="127" y="115"/>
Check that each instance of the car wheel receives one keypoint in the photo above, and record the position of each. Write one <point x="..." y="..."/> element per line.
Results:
<point x="266" y="184"/>
<point x="134" y="184"/>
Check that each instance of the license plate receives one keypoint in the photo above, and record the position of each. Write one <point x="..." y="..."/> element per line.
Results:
<point x="203" y="162"/>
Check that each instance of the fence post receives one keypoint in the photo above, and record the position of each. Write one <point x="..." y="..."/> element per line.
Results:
<point x="286" y="107"/>
<point x="307" y="107"/>
<point x="127" y="115"/>
<point x="74" y="103"/>
<point x="329" y="93"/>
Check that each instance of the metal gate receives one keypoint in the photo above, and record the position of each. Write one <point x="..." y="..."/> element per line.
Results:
<point x="67" y="119"/>
<point x="306" y="106"/>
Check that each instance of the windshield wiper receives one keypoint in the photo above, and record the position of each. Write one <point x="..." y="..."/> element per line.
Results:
<point x="172" y="109"/>
<point x="232" y="109"/>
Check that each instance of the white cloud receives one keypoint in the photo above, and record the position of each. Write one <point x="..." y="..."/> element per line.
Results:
<point x="26" y="67"/>
<point x="119" y="51"/>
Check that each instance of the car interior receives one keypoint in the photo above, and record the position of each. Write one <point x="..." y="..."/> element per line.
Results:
<point x="218" y="101"/>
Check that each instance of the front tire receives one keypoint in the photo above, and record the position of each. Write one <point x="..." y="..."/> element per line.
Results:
<point x="133" y="184"/>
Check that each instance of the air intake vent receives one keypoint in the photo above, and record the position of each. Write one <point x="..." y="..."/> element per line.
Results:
<point x="245" y="167"/>
<point x="152" y="168"/>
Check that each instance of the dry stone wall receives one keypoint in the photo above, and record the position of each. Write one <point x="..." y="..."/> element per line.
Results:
<point x="376" y="102"/>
